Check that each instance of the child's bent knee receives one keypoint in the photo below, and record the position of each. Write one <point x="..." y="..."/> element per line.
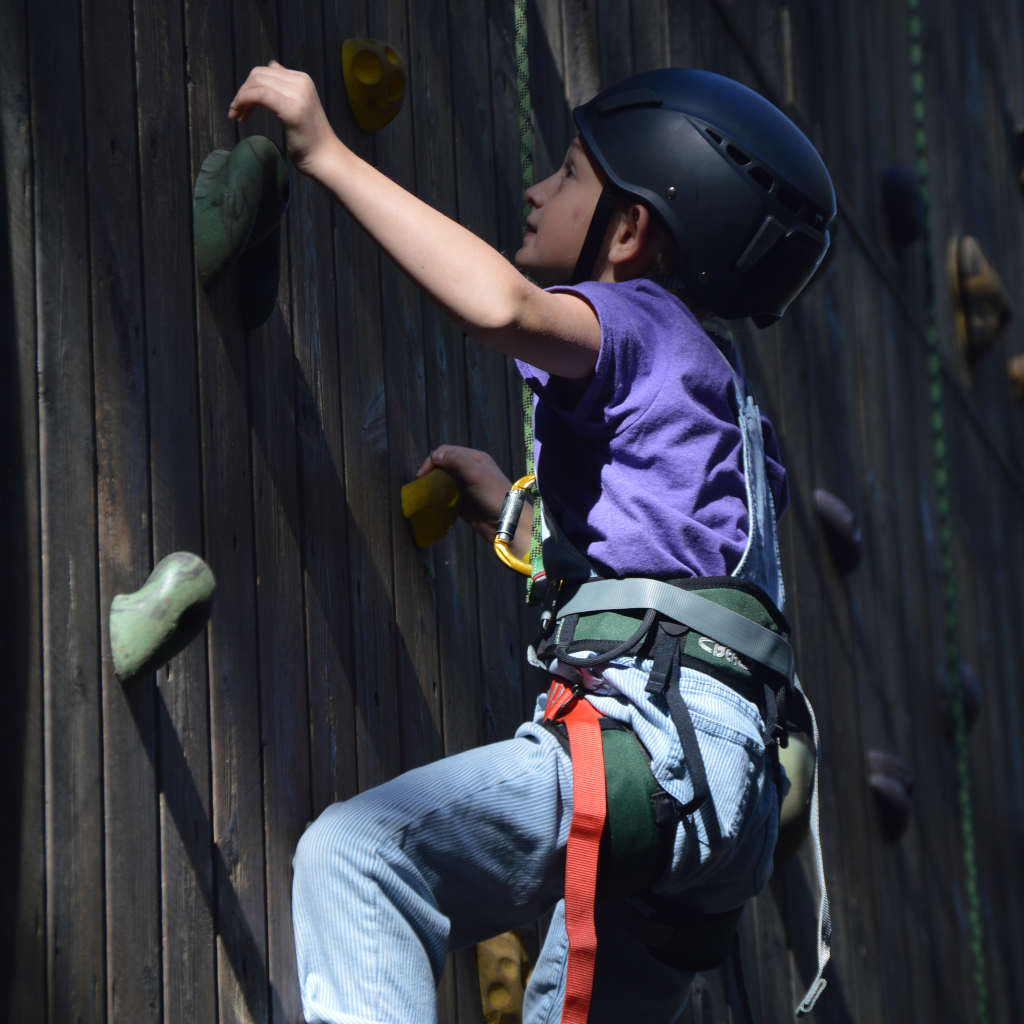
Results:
<point x="343" y="839"/>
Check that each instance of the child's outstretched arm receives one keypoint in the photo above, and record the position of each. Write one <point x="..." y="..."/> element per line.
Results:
<point x="492" y="300"/>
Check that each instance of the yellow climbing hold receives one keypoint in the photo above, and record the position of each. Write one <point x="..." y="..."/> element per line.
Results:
<point x="430" y="503"/>
<point x="502" y="966"/>
<point x="375" y="77"/>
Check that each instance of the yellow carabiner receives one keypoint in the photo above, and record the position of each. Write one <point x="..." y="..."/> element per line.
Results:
<point x="510" y="513"/>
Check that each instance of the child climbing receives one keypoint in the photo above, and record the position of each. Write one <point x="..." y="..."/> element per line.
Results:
<point x="683" y="194"/>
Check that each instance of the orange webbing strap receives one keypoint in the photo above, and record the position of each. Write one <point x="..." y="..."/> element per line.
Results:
<point x="588" y="816"/>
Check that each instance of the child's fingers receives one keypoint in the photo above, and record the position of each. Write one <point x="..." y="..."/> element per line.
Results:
<point x="427" y="466"/>
<point x="268" y="86"/>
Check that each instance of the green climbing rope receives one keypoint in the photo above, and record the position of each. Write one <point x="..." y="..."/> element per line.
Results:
<point x="940" y="458"/>
<point x="526" y="172"/>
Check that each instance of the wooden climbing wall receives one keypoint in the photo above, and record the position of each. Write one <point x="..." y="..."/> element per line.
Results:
<point x="145" y="864"/>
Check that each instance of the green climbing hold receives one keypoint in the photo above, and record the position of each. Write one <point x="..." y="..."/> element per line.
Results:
<point x="151" y="625"/>
<point x="797" y="760"/>
<point x="237" y="205"/>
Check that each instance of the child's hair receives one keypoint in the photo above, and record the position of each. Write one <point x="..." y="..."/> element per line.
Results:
<point x="744" y="195"/>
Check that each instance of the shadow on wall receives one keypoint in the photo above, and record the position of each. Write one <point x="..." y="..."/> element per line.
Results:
<point x="21" y="947"/>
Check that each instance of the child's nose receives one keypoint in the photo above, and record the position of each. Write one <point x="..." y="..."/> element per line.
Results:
<point x="537" y="192"/>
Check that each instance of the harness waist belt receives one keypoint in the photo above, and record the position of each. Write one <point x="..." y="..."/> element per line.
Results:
<point x="729" y="628"/>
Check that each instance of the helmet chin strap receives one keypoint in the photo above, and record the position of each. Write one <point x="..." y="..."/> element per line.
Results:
<point x="595" y="234"/>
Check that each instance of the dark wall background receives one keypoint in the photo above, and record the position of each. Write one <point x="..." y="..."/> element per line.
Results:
<point x="145" y="865"/>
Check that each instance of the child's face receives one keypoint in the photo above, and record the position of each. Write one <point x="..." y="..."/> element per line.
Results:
<point x="563" y="205"/>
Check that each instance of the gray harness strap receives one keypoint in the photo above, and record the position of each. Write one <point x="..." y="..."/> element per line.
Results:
<point x="734" y="631"/>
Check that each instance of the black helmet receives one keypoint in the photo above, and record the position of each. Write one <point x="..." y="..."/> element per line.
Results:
<point x="741" y="189"/>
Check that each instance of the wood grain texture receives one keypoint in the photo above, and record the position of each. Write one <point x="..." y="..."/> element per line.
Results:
<point x="239" y="876"/>
<point x="120" y="398"/>
<point x="23" y="953"/>
<point x="181" y="753"/>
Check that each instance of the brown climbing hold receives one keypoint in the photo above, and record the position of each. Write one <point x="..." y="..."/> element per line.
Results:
<point x="981" y="304"/>
<point x="839" y="525"/>
<point x="1018" y="153"/>
<point x="891" y="780"/>
<point x="1015" y="372"/>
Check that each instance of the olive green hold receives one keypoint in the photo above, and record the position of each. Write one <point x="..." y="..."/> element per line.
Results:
<point x="151" y="625"/>
<point x="797" y="759"/>
<point x="237" y="204"/>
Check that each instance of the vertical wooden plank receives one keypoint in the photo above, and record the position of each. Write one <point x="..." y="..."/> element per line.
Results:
<point x="509" y="685"/>
<point x="582" y="74"/>
<point x="321" y="457"/>
<point x="550" y="114"/>
<point x="22" y="857"/>
<point x="76" y="974"/>
<point x="474" y="703"/>
<point x="419" y="712"/>
<point x="879" y="649"/>
<point x="277" y="535"/>
<point x="131" y="829"/>
<point x="615" y="40"/>
<point x="183" y="702"/>
<point x="412" y="328"/>
<point x="650" y="21"/>
<point x="235" y="742"/>
<point x="364" y="431"/>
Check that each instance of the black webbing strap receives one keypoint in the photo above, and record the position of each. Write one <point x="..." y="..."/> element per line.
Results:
<point x="662" y="682"/>
<point x="595" y="235"/>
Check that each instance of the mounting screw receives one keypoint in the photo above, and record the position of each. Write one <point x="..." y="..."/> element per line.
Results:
<point x="671" y="193"/>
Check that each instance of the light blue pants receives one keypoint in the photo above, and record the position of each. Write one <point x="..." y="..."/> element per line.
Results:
<point x="473" y="845"/>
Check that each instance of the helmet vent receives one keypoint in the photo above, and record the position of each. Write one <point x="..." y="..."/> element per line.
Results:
<point x="762" y="177"/>
<point x="788" y="198"/>
<point x="779" y="190"/>
<point x="737" y="154"/>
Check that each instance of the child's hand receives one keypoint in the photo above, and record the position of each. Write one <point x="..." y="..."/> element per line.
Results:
<point x="482" y="485"/>
<point x="292" y="97"/>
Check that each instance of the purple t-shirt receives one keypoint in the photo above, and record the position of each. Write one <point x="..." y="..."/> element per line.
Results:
<point x="643" y="472"/>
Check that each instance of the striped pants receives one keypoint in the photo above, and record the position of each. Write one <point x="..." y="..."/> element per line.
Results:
<point x="441" y="857"/>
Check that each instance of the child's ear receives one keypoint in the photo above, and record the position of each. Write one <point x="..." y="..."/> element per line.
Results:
<point x="629" y="234"/>
<point x="636" y="240"/>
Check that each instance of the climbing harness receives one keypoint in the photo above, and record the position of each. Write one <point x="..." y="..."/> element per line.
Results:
<point x="724" y="627"/>
<point x="940" y="461"/>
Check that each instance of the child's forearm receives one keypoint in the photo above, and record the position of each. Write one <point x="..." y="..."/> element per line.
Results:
<point x="470" y="279"/>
